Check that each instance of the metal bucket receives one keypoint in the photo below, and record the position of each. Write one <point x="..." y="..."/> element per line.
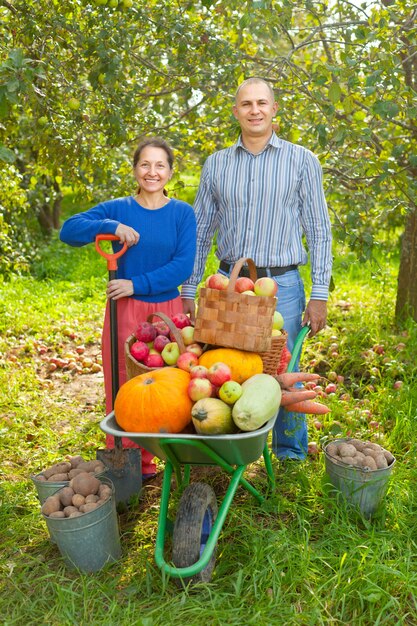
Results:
<point x="363" y="488"/>
<point x="45" y="489"/>
<point x="90" y="541"/>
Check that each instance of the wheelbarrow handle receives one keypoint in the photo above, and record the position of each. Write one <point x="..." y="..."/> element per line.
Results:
<point x="297" y="347"/>
<point x="110" y="257"/>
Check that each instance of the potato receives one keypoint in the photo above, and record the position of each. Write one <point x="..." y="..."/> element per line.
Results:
<point x="75" y="460"/>
<point x="74" y="472"/>
<point x="93" y="498"/>
<point x="380" y="460"/>
<point x="58" y="478"/>
<point x="349" y="460"/>
<point x="51" y="505"/>
<point x="58" y="468"/>
<point x="104" y="490"/>
<point x="75" y="514"/>
<point x="388" y="456"/>
<point x="346" y="449"/>
<point x="65" y="495"/>
<point x="331" y="449"/>
<point x="373" y="446"/>
<point x="78" y="500"/>
<point x="57" y="514"/>
<point x="359" y="445"/>
<point x="85" y="484"/>
<point x="90" y="506"/>
<point x="369" y="462"/>
<point x="89" y="466"/>
<point x="70" y="509"/>
<point x="41" y="478"/>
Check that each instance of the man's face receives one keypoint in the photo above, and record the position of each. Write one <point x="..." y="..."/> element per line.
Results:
<point x="255" y="110"/>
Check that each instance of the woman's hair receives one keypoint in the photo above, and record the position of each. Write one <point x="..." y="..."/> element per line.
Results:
<point x="154" y="142"/>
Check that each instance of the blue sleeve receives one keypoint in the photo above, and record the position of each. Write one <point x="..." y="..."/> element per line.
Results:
<point x="82" y="228"/>
<point x="179" y="268"/>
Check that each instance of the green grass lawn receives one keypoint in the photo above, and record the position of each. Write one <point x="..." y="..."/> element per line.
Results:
<point x="302" y="557"/>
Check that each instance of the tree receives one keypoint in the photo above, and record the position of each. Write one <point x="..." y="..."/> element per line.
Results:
<point x="80" y="86"/>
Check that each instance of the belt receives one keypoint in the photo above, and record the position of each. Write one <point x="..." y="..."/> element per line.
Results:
<point x="261" y="271"/>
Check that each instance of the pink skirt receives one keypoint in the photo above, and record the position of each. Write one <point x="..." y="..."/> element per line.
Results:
<point x="130" y="313"/>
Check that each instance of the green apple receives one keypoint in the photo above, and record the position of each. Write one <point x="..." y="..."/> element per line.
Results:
<point x="74" y="104"/>
<point x="230" y="392"/>
<point x="278" y="321"/>
<point x="42" y="121"/>
<point x="170" y="353"/>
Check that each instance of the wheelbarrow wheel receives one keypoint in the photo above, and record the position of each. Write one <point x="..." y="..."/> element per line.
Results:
<point x="197" y="512"/>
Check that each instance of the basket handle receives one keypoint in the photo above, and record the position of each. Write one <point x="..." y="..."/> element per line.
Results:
<point x="175" y="331"/>
<point x="236" y="269"/>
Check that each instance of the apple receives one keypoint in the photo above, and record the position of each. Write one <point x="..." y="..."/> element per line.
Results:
<point x="230" y="392"/>
<point x="181" y="320"/>
<point x="160" y="342"/>
<point x="198" y="371"/>
<point x="330" y="388"/>
<point x="196" y="348"/>
<point x="244" y="283"/>
<point x="154" y="360"/>
<point x="199" y="388"/>
<point x="265" y="286"/>
<point x="215" y="391"/>
<point x="277" y="321"/>
<point x="248" y="293"/>
<point x="206" y="282"/>
<point x="170" y="353"/>
<point x="313" y="449"/>
<point x="145" y="332"/>
<point x="187" y="334"/>
<point x="332" y="376"/>
<point x="139" y="350"/>
<point x="74" y="104"/>
<point x="398" y="384"/>
<point x="275" y="332"/>
<point x="318" y="425"/>
<point x="187" y="360"/>
<point x="219" y="373"/>
<point x="161" y="328"/>
<point x="218" y="281"/>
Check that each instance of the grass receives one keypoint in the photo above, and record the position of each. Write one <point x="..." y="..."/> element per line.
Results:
<point x="301" y="558"/>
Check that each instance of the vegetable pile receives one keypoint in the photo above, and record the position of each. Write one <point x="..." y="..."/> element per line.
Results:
<point x="66" y="470"/>
<point x="363" y="454"/>
<point x="84" y="493"/>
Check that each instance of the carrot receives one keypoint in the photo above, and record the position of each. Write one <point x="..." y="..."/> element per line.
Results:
<point x="308" y="406"/>
<point x="291" y="378"/>
<point x="298" y="395"/>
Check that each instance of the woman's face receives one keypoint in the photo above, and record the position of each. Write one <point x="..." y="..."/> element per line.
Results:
<point x="152" y="170"/>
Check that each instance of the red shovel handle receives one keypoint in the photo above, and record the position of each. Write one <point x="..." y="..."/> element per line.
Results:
<point x="111" y="258"/>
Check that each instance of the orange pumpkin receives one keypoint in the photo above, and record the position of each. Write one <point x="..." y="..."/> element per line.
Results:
<point x="154" y="402"/>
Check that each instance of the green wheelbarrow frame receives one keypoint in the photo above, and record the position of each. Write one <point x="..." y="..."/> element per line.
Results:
<point x="231" y="454"/>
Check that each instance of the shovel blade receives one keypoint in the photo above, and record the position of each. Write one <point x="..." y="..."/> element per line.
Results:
<point x="124" y="469"/>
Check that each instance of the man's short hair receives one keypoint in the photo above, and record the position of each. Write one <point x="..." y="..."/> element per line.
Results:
<point x="254" y="80"/>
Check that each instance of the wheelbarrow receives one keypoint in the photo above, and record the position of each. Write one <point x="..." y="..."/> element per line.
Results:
<point x="199" y="520"/>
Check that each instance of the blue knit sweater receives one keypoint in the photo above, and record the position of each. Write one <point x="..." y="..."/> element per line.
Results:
<point x="164" y="256"/>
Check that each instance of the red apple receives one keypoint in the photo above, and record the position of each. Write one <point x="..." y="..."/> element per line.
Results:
<point x="154" y="360"/>
<point x="160" y="342"/>
<point x="139" y="350"/>
<point x="313" y="449"/>
<point x="196" y="348"/>
<point x="398" y="384"/>
<point x="244" y="283"/>
<point x="318" y="425"/>
<point x="198" y="371"/>
<point x="215" y="391"/>
<point x="170" y="353"/>
<point x="181" y="320"/>
<point x="330" y="388"/>
<point x="187" y="334"/>
<point x="146" y="332"/>
<point x="187" y="360"/>
<point x="219" y="373"/>
<point x="161" y="328"/>
<point x="199" y="388"/>
<point x="218" y="281"/>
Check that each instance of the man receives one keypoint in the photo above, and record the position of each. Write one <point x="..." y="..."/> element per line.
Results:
<point x="261" y="195"/>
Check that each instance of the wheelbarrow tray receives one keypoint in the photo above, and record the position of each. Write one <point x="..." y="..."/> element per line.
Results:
<point x="237" y="449"/>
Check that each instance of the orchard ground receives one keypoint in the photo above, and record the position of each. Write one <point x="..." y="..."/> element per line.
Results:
<point x="300" y="558"/>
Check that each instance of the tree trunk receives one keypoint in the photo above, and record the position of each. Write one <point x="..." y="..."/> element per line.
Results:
<point x="406" y="305"/>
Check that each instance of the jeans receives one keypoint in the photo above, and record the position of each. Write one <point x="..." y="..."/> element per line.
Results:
<point x="289" y="436"/>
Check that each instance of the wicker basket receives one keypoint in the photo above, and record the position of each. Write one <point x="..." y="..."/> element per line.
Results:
<point x="133" y="367"/>
<point x="235" y="320"/>
<point x="272" y="358"/>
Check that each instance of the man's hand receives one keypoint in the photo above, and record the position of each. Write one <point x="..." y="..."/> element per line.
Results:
<point x="119" y="288"/>
<point x="188" y="306"/>
<point x="127" y="235"/>
<point x="315" y="315"/>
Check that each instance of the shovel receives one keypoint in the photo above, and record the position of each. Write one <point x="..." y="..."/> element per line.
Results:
<point x="124" y="465"/>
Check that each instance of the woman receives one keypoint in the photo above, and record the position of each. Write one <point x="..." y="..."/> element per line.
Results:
<point x="160" y="233"/>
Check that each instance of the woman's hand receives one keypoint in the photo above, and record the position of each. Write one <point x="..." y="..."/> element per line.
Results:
<point x="127" y="235"/>
<point x="119" y="288"/>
